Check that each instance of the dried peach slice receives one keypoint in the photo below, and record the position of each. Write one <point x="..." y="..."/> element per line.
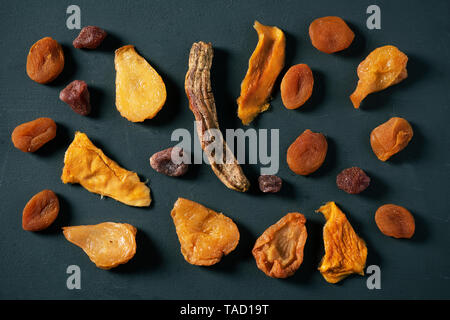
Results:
<point x="107" y="244"/>
<point x="205" y="235"/>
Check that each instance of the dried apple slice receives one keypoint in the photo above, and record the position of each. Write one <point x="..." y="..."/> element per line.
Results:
<point x="107" y="244"/>
<point x="140" y="90"/>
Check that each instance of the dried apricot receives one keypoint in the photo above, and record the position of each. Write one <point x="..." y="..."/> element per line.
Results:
<point x="30" y="136"/>
<point x="40" y="212"/>
<point x="395" y="221"/>
<point x="279" y="250"/>
<point x="307" y="153"/>
<point x="296" y="86"/>
<point x="45" y="60"/>
<point x="76" y="95"/>
<point x="390" y="137"/>
<point x="107" y="244"/>
<point x="90" y="37"/>
<point x="352" y="180"/>
<point x="205" y="235"/>
<point x="330" y="34"/>
<point x="163" y="163"/>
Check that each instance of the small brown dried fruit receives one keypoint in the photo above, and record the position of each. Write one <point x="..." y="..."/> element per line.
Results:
<point x="297" y="86"/>
<point x="270" y="183"/>
<point x="45" y="60"/>
<point x="330" y="34"/>
<point x="30" y="136"/>
<point x="395" y="221"/>
<point x="307" y="153"/>
<point x="279" y="250"/>
<point x="169" y="162"/>
<point x="76" y="95"/>
<point x="90" y="37"/>
<point x="352" y="180"/>
<point x="40" y="212"/>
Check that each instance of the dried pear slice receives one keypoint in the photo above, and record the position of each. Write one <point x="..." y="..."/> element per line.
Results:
<point x="140" y="90"/>
<point x="87" y="165"/>
<point x="107" y="244"/>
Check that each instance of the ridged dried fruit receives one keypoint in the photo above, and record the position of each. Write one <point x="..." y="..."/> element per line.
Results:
<point x="383" y="67"/>
<point x="352" y="180"/>
<point x="390" y="137"/>
<point x="163" y="163"/>
<point x="330" y="34"/>
<point x="87" y="165"/>
<point x="45" y="60"/>
<point x="107" y="244"/>
<point x="40" y="212"/>
<point x="297" y="86"/>
<point x="264" y="66"/>
<point x="76" y="95"/>
<point x="279" y="250"/>
<point x="205" y="236"/>
<point x="307" y="153"/>
<point x="90" y="37"/>
<point x="269" y="183"/>
<point x="30" y="136"/>
<point x="345" y="251"/>
<point x="395" y="221"/>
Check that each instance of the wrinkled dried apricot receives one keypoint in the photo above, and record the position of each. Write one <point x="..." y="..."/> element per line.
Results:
<point x="90" y="37"/>
<point x="390" y="137"/>
<point x="395" y="221"/>
<point x="40" y="212"/>
<point x="205" y="235"/>
<point x="296" y="86"/>
<point x="345" y="251"/>
<point x="76" y="95"/>
<point x="45" y="60"/>
<point x="330" y="34"/>
<point x="279" y="250"/>
<point x="30" y="136"/>
<point x="352" y="180"/>
<point x="383" y="67"/>
<point x="107" y="244"/>
<point x="307" y="153"/>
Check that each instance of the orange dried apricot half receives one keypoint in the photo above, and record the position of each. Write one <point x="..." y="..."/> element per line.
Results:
<point x="330" y="34"/>
<point x="45" y="60"/>
<point x="395" y="221"/>
<point x="40" y="212"/>
<point x="297" y="86"/>
<point x="32" y="135"/>
<point x="307" y="153"/>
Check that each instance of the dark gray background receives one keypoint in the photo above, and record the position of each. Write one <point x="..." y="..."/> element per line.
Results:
<point x="33" y="265"/>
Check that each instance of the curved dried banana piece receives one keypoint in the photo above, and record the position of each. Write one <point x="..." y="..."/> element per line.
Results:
<point x="345" y="252"/>
<point x="107" y="244"/>
<point x="383" y="67"/>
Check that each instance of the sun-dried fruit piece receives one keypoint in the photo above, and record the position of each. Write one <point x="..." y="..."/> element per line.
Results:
<point x="264" y="65"/>
<point x="40" y="212"/>
<point x="45" y="60"/>
<point x="140" y="90"/>
<point x="87" y="165"/>
<point x="279" y="250"/>
<point x="390" y="137"/>
<point x="76" y="95"/>
<point x="352" y="180"/>
<point x="107" y="244"/>
<point x="395" y="221"/>
<point x="270" y="183"/>
<point x="383" y="67"/>
<point x="90" y="37"/>
<point x="165" y="163"/>
<point x="297" y="86"/>
<point x="330" y="34"/>
<point x="205" y="235"/>
<point x="30" y="136"/>
<point x="345" y="251"/>
<point x="307" y="153"/>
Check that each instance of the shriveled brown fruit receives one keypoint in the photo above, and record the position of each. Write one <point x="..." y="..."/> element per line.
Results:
<point x="297" y="86"/>
<point x="45" y="60"/>
<point x="30" y="136"/>
<point x="279" y="250"/>
<point x="76" y="95"/>
<point x="390" y="137"/>
<point x="40" y="212"/>
<point x="352" y="180"/>
<point x="395" y="221"/>
<point x="90" y="37"/>
<point x="307" y="153"/>
<point x="330" y="34"/>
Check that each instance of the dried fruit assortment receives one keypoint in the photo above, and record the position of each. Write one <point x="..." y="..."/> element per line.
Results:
<point x="76" y="95"/>
<point x="330" y="34"/>
<point x="165" y="162"/>
<point x="32" y="135"/>
<point x="297" y="86"/>
<point x="395" y="221"/>
<point x="40" y="211"/>
<point x="45" y="60"/>
<point x="90" y="37"/>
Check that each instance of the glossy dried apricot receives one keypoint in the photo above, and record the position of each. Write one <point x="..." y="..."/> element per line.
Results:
<point x="30" y="136"/>
<point x="330" y="34"/>
<point x="45" y="60"/>
<point x="395" y="221"/>
<point x="279" y="250"/>
<point x="390" y="137"/>
<point x="297" y="86"/>
<point x="40" y="212"/>
<point x="307" y="153"/>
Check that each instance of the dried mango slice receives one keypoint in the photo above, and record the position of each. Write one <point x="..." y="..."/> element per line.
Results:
<point x="264" y="66"/>
<point x="140" y="90"/>
<point x="87" y="165"/>
<point x="205" y="235"/>
<point x="383" y="67"/>
<point x="345" y="252"/>
<point x="107" y="244"/>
